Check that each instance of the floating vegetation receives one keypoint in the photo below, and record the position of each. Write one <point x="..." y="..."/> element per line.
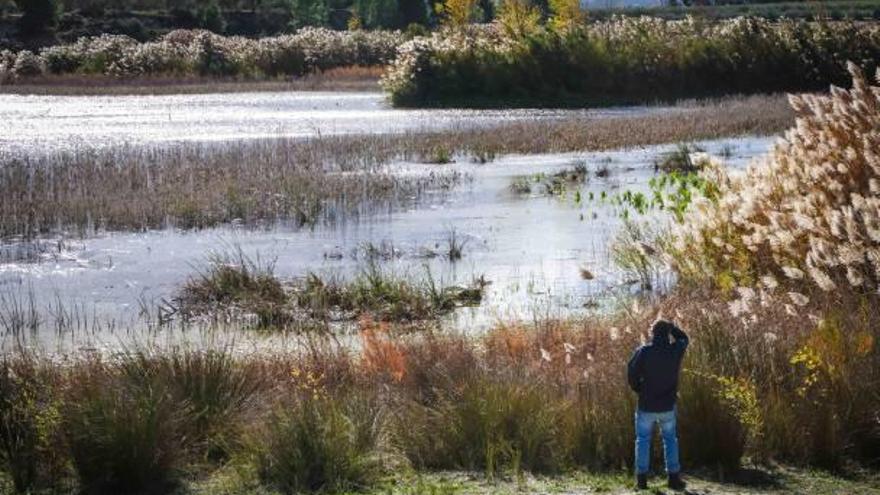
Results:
<point x="680" y="160"/>
<point x="383" y="296"/>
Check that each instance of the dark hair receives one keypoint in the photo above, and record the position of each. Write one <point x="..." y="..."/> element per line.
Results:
<point x="662" y="328"/>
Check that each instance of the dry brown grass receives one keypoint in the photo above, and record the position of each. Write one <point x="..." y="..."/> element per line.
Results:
<point x="354" y="78"/>
<point x="690" y="120"/>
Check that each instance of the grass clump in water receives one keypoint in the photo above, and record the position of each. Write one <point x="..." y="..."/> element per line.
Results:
<point x="680" y="160"/>
<point x="235" y="282"/>
<point x="383" y="295"/>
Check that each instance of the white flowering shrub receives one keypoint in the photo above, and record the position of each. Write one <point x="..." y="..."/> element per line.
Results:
<point x="804" y="219"/>
<point x="199" y="52"/>
<point x="27" y="64"/>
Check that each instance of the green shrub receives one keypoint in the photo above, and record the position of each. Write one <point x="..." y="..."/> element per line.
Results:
<point x="488" y="424"/>
<point x="234" y="282"/>
<point x="322" y="444"/>
<point x="29" y="419"/>
<point x="626" y="60"/>
<point x="123" y="432"/>
<point x="213" y="387"/>
<point x="211" y="17"/>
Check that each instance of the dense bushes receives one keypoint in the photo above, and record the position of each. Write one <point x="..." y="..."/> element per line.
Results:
<point x="185" y="53"/>
<point x="542" y="398"/>
<point x="626" y="60"/>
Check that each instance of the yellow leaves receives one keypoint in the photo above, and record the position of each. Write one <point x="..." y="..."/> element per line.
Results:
<point x="567" y="14"/>
<point x="519" y="18"/>
<point x="739" y="394"/>
<point x="457" y="13"/>
<point x="309" y="383"/>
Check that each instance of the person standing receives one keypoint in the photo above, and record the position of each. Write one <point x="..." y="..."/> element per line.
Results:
<point x="653" y="373"/>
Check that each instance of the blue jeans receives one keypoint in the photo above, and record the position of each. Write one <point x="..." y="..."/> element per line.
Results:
<point x="645" y="430"/>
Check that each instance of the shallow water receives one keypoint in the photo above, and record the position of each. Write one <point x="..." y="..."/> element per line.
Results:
<point x="531" y="247"/>
<point x="37" y="124"/>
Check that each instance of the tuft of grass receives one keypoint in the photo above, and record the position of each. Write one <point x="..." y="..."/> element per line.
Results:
<point x="521" y="185"/>
<point x="234" y="281"/>
<point x="123" y="432"/>
<point x="454" y="245"/>
<point x="215" y="388"/>
<point x="680" y="160"/>
<point x="439" y="155"/>
<point x="634" y="250"/>
<point x="323" y="443"/>
<point x="603" y="170"/>
<point x="383" y="295"/>
<point x="561" y="181"/>
<point x="487" y="424"/>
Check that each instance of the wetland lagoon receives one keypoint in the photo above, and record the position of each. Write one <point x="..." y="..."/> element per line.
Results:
<point x="529" y="225"/>
<point x="277" y="292"/>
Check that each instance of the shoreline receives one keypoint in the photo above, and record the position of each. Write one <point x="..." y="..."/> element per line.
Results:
<point x="345" y="79"/>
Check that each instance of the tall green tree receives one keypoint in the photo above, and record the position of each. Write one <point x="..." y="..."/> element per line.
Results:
<point x="308" y="13"/>
<point x="38" y="16"/>
<point x="413" y="12"/>
<point x="377" y="13"/>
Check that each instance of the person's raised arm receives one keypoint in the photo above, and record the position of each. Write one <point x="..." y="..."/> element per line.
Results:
<point x="634" y="371"/>
<point x="681" y="338"/>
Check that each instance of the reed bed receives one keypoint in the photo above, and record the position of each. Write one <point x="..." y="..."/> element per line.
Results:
<point x="350" y="78"/>
<point x="321" y="179"/>
<point x="201" y="185"/>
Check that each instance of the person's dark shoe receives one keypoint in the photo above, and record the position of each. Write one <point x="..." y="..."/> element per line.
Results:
<point x="675" y="482"/>
<point x="642" y="482"/>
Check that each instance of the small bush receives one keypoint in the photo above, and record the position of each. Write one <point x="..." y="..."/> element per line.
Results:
<point x="681" y="160"/>
<point x="211" y="17"/>
<point x="322" y="443"/>
<point x="123" y="432"/>
<point x="27" y="64"/>
<point x="29" y="420"/>
<point x="488" y="424"/>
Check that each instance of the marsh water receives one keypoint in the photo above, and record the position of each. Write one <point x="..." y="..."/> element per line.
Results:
<point x="531" y="246"/>
<point x="35" y="124"/>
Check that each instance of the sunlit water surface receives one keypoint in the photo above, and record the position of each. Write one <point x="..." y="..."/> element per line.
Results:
<point x="37" y="124"/>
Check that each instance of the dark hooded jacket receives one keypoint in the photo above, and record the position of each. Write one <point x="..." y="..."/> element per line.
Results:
<point x="653" y="369"/>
